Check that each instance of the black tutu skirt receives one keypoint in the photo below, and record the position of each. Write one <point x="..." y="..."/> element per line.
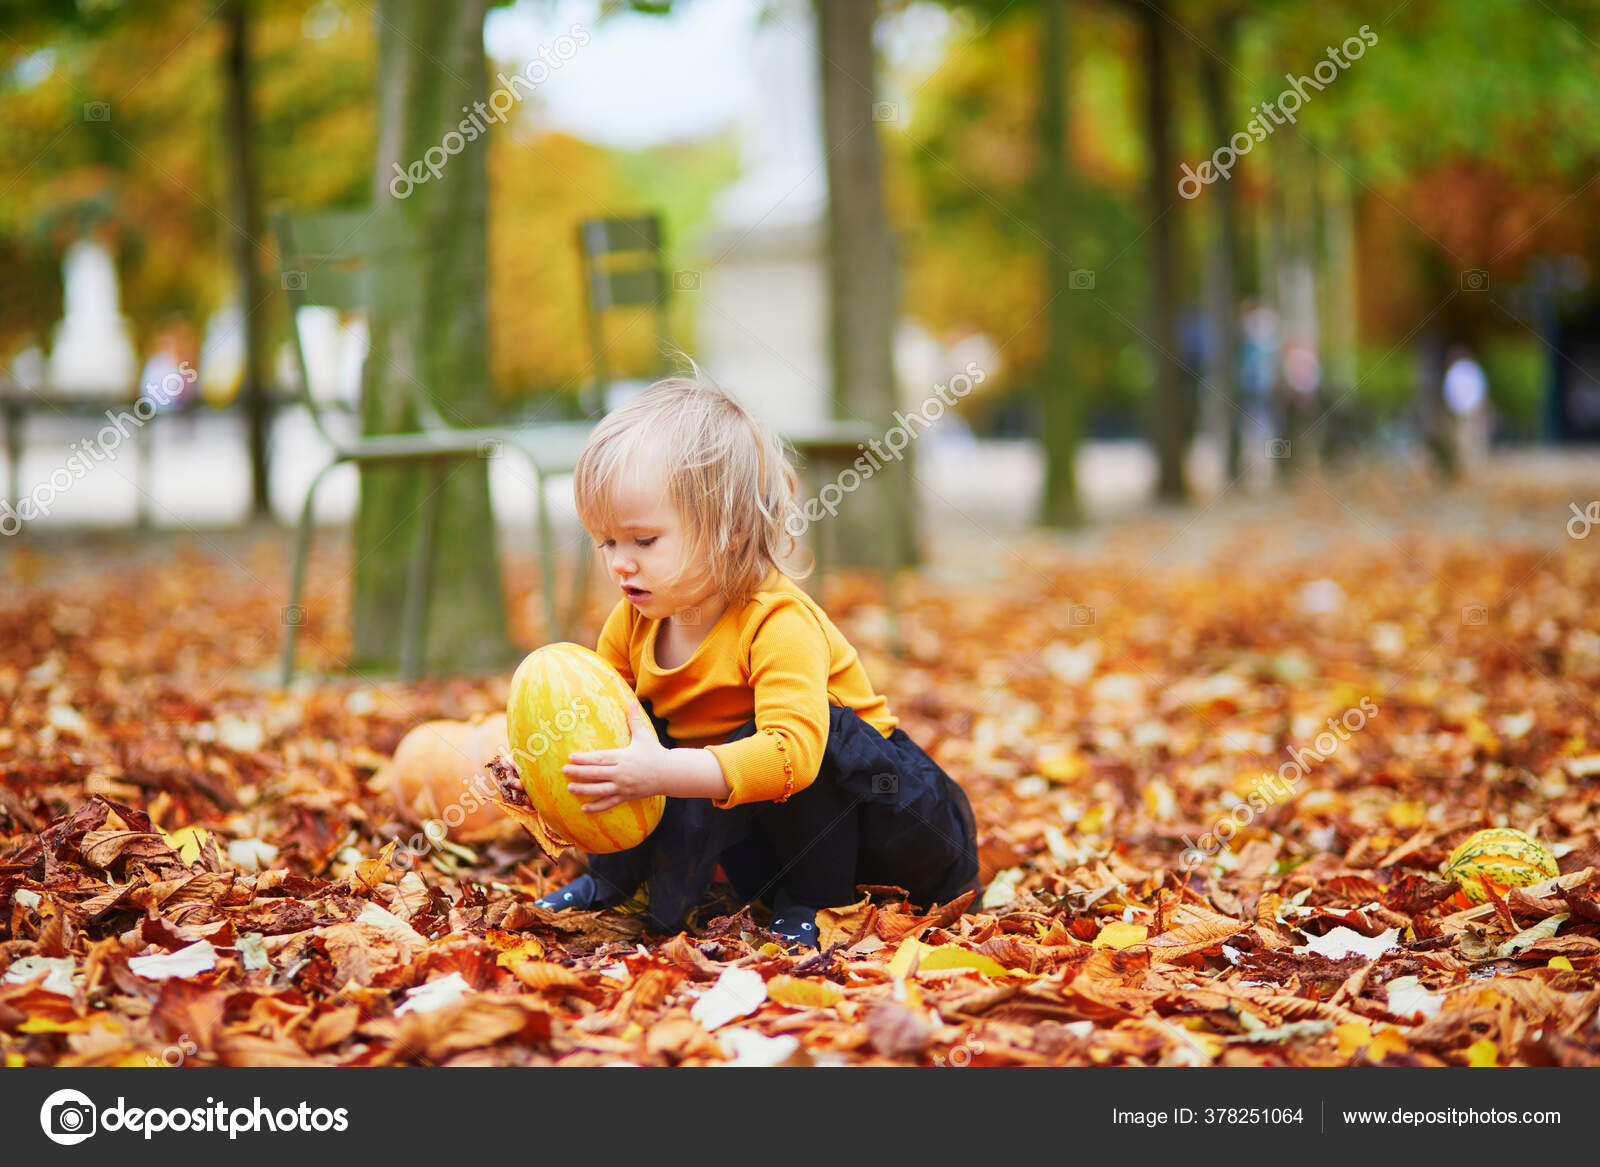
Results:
<point x="881" y="811"/>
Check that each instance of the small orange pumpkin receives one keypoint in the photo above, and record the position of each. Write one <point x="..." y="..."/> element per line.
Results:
<point x="439" y="772"/>
<point x="566" y="699"/>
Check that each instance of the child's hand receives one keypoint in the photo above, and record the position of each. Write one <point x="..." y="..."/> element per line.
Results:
<point x="608" y="778"/>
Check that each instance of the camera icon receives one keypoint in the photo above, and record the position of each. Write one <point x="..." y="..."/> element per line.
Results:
<point x="97" y="111"/>
<point x="1475" y="280"/>
<point x="294" y="281"/>
<point x="68" y="1117"/>
<point x="1080" y="280"/>
<point x="885" y="783"/>
<point x="1082" y="615"/>
<point x="294" y="614"/>
<point x="490" y="448"/>
<point x="686" y="281"/>
<point x="1474" y="615"/>
<point x="885" y="111"/>
<point x="687" y="616"/>
<point x="1278" y="448"/>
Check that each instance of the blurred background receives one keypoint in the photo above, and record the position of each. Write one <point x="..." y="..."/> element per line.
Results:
<point x="1114" y="254"/>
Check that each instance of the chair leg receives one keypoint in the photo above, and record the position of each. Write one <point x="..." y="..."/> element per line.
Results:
<point x="417" y="579"/>
<point x="547" y="562"/>
<point x="294" y="614"/>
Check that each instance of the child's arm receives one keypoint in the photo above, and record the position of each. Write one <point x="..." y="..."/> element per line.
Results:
<point x="641" y="769"/>
<point x="789" y="673"/>
<point x="789" y="660"/>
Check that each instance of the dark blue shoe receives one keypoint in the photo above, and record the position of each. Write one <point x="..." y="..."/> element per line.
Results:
<point x="582" y="893"/>
<point x="793" y="922"/>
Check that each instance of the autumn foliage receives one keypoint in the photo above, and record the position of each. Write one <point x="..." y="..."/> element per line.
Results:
<point x="193" y="867"/>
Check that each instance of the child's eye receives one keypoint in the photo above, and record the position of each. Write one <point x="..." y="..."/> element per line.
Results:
<point x="646" y="542"/>
<point x="603" y="544"/>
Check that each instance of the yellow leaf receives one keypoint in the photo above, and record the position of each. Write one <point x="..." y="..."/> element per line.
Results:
<point x="802" y="993"/>
<point x="1094" y="821"/>
<point x="372" y="872"/>
<point x="1351" y="1036"/>
<point x="910" y="951"/>
<point x="954" y="956"/>
<point x="15" y="1061"/>
<point x="522" y="953"/>
<point x="188" y="842"/>
<point x="1480" y="735"/>
<point x="1119" y="935"/>
<point x="1560" y="962"/>
<point x="1407" y="816"/>
<point x="1388" y="1040"/>
<point x="771" y="948"/>
<point x="1065" y="769"/>
<point x="1483" y="1052"/>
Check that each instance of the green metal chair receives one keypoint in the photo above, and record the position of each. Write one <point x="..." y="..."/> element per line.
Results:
<point x="621" y="261"/>
<point x="323" y="258"/>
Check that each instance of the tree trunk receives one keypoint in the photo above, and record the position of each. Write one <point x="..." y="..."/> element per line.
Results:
<point x="239" y="142"/>
<point x="1062" y="393"/>
<point x="878" y="527"/>
<point x="1169" y="421"/>
<point x="1222" y="292"/>
<point x="429" y="335"/>
<point x="1300" y="211"/>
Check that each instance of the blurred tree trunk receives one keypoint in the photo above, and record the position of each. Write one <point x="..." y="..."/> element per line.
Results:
<point x="1339" y="299"/>
<point x="878" y="526"/>
<point x="1299" y="211"/>
<point x="1169" y="412"/>
<point x="1063" y="393"/>
<point x="1222" y="290"/>
<point x="429" y="331"/>
<point x="239" y="142"/>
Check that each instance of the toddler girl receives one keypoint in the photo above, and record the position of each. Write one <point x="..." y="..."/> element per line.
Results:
<point x="778" y="759"/>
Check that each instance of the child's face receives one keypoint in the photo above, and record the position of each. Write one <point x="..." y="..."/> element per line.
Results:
<point x="647" y="549"/>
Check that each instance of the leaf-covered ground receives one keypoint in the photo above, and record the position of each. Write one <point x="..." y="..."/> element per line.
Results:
<point x="1108" y="702"/>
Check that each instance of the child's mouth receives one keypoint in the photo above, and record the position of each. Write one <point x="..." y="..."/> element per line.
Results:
<point x="635" y="594"/>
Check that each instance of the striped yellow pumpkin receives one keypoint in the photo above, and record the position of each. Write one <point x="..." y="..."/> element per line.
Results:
<point x="1505" y="857"/>
<point x="566" y="700"/>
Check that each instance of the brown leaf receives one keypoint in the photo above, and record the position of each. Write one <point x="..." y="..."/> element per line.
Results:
<point x="896" y="1031"/>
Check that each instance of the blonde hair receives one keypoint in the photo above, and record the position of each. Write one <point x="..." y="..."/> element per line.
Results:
<point x="727" y="476"/>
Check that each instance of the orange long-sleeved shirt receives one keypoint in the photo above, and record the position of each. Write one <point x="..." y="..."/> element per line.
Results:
<point x="777" y="658"/>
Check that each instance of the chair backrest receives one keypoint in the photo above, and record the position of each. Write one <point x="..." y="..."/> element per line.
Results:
<point x="621" y="269"/>
<point x="325" y="262"/>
